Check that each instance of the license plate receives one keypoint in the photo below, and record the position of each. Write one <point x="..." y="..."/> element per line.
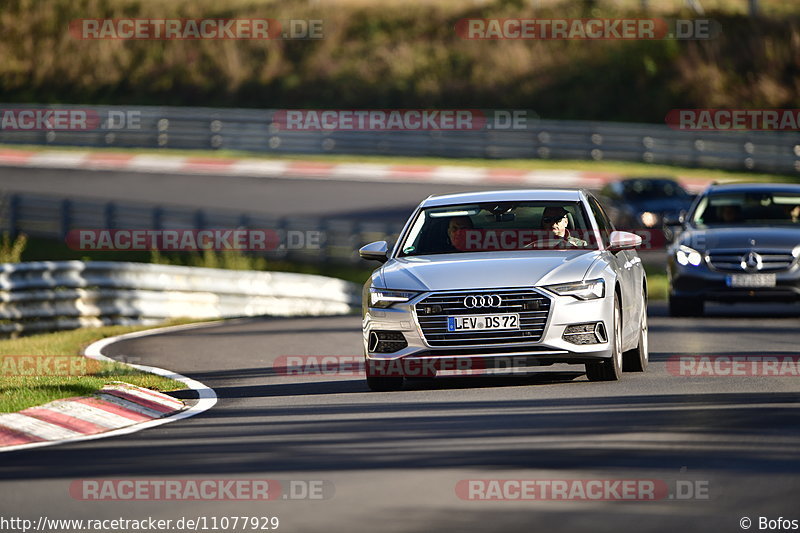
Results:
<point x="483" y="322"/>
<point x="751" y="280"/>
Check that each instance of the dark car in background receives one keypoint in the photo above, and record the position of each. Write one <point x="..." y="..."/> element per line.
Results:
<point x="740" y="243"/>
<point x="644" y="202"/>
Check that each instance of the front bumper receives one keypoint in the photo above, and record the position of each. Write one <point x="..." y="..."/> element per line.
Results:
<point x="703" y="283"/>
<point x="549" y="349"/>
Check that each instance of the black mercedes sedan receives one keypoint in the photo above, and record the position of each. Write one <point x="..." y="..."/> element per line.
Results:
<point x="644" y="202"/>
<point x="739" y="243"/>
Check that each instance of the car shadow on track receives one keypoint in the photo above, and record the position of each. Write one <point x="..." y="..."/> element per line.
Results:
<point x="736" y="310"/>
<point x="311" y="385"/>
<point x="706" y="432"/>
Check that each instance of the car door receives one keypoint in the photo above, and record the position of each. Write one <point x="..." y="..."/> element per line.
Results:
<point x="627" y="264"/>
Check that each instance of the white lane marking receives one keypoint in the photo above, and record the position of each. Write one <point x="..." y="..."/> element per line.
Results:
<point x="255" y="167"/>
<point x="36" y="427"/>
<point x="154" y="163"/>
<point x="456" y="174"/>
<point x="360" y="172"/>
<point x="57" y="159"/>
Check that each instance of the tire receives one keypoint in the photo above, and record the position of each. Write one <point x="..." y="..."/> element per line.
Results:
<point x="381" y="383"/>
<point x="610" y="369"/>
<point x="679" y="306"/>
<point x="636" y="360"/>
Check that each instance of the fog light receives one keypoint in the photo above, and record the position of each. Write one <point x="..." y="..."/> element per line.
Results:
<point x="381" y="341"/>
<point x="589" y="333"/>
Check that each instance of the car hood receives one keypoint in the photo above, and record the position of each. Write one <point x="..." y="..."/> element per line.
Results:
<point x="487" y="270"/>
<point x="741" y="238"/>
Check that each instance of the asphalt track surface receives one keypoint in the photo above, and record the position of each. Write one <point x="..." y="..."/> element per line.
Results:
<point x="271" y="196"/>
<point x="391" y="461"/>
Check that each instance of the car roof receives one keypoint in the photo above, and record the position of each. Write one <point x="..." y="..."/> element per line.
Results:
<point x="545" y="195"/>
<point x="754" y="187"/>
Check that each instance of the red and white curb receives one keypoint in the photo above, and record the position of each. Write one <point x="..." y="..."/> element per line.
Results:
<point x="115" y="406"/>
<point x="117" y="409"/>
<point x="288" y="169"/>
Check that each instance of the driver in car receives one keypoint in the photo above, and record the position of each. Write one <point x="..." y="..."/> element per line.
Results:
<point x="455" y="232"/>
<point x="554" y="222"/>
<point x="794" y="214"/>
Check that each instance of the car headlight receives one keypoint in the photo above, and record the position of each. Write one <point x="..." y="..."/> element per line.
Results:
<point x="384" y="298"/>
<point x="648" y="219"/>
<point x="582" y="290"/>
<point x="688" y="256"/>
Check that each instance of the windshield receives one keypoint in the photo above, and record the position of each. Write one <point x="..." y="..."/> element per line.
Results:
<point x="652" y="189"/>
<point x="748" y="208"/>
<point x="499" y="227"/>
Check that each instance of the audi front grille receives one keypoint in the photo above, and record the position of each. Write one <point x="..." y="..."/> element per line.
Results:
<point x="432" y="312"/>
<point x="732" y="260"/>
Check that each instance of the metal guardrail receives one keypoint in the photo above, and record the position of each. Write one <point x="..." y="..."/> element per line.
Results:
<point x="53" y="217"/>
<point x="255" y="130"/>
<point x="58" y="295"/>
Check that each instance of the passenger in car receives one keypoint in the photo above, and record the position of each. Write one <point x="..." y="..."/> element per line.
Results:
<point x="729" y="214"/>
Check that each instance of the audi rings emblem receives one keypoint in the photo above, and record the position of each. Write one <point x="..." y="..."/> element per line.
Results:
<point x="482" y="300"/>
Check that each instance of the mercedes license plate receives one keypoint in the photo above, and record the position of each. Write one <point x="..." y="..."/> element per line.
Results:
<point x="751" y="280"/>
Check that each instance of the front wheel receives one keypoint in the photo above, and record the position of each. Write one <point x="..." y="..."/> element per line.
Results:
<point x="679" y="306"/>
<point x="377" y="380"/>
<point x="610" y="369"/>
<point x="383" y="384"/>
<point x="636" y="360"/>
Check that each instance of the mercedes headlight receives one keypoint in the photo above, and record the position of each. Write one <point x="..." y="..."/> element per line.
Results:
<point x="649" y="219"/>
<point x="688" y="256"/>
<point x="582" y="290"/>
<point x="384" y="298"/>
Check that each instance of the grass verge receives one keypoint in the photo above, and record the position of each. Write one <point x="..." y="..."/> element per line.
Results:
<point x="21" y="391"/>
<point x="656" y="282"/>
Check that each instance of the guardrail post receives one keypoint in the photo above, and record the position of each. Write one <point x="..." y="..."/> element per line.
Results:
<point x="281" y="226"/>
<point x="13" y="215"/>
<point x="66" y="219"/>
<point x="110" y="213"/>
<point x="158" y="217"/>
<point x="199" y="219"/>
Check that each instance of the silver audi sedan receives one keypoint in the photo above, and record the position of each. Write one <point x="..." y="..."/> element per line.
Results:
<point x="489" y="282"/>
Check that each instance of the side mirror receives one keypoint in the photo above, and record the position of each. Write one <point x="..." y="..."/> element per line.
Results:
<point x="622" y="240"/>
<point x="375" y="251"/>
